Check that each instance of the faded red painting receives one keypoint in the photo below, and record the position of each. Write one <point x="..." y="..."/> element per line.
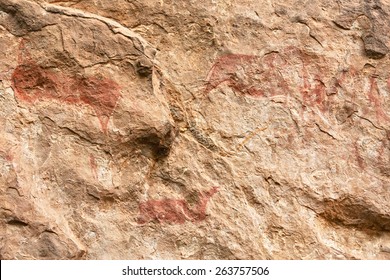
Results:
<point x="293" y="73"/>
<point x="249" y="74"/>
<point x="175" y="211"/>
<point x="376" y="156"/>
<point x="237" y="71"/>
<point x="274" y="74"/>
<point x="352" y="79"/>
<point x="93" y="164"/>
<point x="31" y="83"/>
<point x="7" y="155"/>
<point x="375" y="99"/>
<point x="313" y="91"/>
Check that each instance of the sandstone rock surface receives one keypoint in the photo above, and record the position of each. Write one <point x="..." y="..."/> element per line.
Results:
<point x="205" y="129"/>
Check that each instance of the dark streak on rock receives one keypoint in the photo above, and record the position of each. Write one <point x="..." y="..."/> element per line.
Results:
<point x="373" y="47"/>
<point x="17" y="222"/>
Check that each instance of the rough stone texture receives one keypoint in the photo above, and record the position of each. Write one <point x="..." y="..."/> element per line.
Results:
<point x="205" y="129"/>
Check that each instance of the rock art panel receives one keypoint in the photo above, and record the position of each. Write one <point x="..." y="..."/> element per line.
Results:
<point x="368" y="87"/>
<point x="293" y="74"/>
<point x="373" y="155"/>
<point x="32" y="83"/>
<point x="93" y="164"/>
<point x="99" y="101"/>
<point x="375" y="99"/>
<point x="274" y="74"/>
<point x="175" y="211"/>
<point x="237" y="71"/>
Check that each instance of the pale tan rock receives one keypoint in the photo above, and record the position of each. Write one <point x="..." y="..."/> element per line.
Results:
<point x="194" y="130"/>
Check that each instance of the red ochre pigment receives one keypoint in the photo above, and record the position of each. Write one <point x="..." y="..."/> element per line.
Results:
<point x="381" y="160"/>
<point x="93" y="164"/>
<point x="224" y="71"/>
<point x="174" y="211"/>
<point x="374" y="98"/>
<point x="263" y="77"/>
<point x="32" y="83"/>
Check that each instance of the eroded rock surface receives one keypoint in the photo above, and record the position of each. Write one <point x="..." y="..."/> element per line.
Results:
<point x="194" y="129"/>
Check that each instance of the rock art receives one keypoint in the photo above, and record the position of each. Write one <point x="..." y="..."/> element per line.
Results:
<point x="175" y="211"/>
<point x="32" y="83"/>
<point x="118" y="117"/>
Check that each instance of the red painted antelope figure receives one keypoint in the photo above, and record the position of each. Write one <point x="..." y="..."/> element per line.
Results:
<point x="175" y="211"/>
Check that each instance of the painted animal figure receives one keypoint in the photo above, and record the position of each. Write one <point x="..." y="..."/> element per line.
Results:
<point x="32" y="83"/>
<point x="274" y="74"/>
<point x="175" y="211"/>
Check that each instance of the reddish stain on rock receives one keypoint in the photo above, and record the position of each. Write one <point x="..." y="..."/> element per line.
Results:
<point x="374" y="97"/>
<point x="384" y="157"/>
<point x="377" y="158"/>
<point x="31" y="83"/>
<point x="93" y="164"/>
<point x="358" y="156"/>
<point x="7" y="155"/>
<point x="267" y="76"/>
<point x="313" y="90"/>
<point x="352" y="79"/>
<point x="271" y="79"/>
<point x="237" y="71"/>
<point x="174" y="211"/>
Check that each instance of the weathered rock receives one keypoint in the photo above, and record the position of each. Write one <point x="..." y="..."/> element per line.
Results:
<point x="194" y="130"/>
<point x="373" y="47"/>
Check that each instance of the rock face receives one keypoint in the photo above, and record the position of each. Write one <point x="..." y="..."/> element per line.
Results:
<point x="194" y="129"/>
